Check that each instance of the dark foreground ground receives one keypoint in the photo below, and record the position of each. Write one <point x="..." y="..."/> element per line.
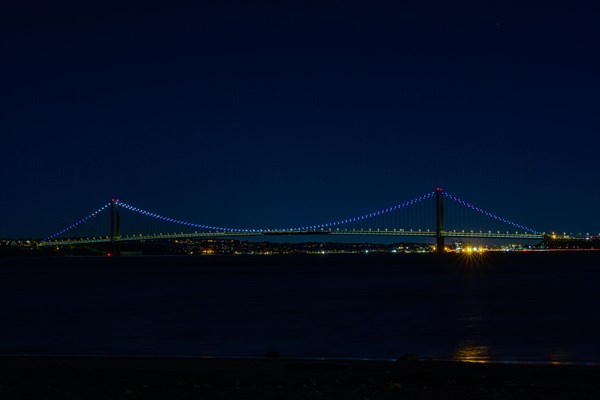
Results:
<point x="164" y="378"/>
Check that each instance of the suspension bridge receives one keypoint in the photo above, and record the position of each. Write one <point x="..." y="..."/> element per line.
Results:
<point x="437" y="214"/>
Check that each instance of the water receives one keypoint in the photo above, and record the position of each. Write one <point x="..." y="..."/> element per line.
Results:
<point x="525" y="307"/>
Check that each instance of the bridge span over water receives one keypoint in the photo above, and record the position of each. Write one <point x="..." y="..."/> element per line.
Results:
<point x="427" y="215"/>
<point x="337" y="232"/>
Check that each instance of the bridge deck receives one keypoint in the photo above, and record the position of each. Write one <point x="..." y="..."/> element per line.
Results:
<point x="340" y="232"/>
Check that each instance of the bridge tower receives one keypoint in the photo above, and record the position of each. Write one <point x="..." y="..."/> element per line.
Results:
<point x="439" y="220"/>
<point x="115" y="225"/>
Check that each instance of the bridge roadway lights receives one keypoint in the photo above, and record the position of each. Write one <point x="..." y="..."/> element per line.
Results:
<point x="439" y="220"/>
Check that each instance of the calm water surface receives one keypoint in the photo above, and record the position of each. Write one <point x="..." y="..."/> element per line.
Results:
<point x="542" y="307"/>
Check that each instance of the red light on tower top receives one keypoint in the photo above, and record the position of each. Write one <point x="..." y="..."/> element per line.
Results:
<point x="438" y="189"/>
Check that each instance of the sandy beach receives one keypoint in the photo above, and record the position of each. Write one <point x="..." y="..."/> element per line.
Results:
<point x="275" y="378"/>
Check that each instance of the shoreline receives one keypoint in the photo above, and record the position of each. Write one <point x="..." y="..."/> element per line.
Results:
<point x="219" y="378"/>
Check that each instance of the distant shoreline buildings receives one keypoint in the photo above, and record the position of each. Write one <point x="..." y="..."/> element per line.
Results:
<point x="233" y="247"/>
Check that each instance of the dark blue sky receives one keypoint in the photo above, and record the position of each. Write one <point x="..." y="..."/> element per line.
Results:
<point x="291" y="113"/>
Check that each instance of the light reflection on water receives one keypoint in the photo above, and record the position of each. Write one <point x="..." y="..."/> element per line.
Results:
<point x="472" y="347"/>
<point x="558" y="357"/>
<point x="469" y="261"/>
<point x="472" y="352"/>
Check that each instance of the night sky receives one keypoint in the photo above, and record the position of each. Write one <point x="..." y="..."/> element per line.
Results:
<point x="292" y="113"/>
